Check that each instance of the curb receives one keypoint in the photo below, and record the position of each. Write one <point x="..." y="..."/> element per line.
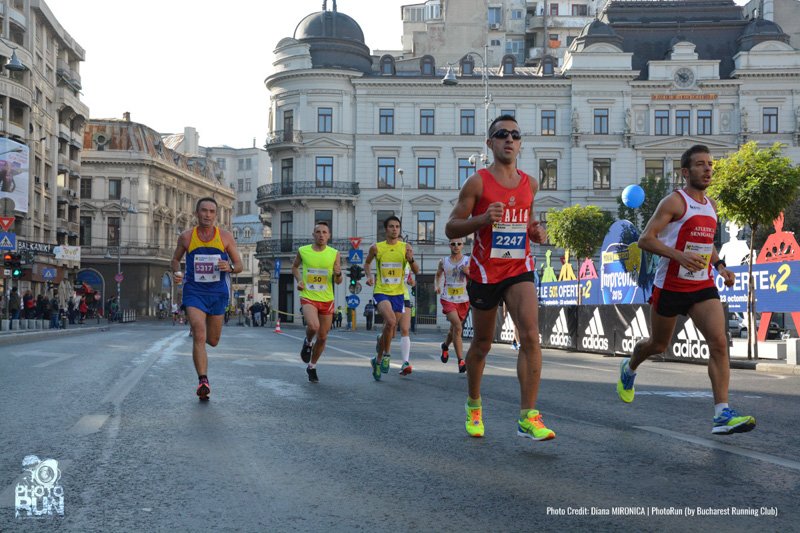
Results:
<point x="773" y="368"/>
<point x="7" y="339"/>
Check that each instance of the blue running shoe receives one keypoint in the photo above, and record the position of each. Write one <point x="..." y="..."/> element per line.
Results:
<point x="385" y="363"/>
<point x="376" y="369"/>
<point x="732" y="422"/>
<point x="625" y="383"/>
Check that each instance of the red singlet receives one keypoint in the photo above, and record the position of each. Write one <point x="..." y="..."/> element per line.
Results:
<point x="502" y="249"/>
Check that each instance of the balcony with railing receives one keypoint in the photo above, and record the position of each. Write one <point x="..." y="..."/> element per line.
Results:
<point x="128" y="250"/>
<point x="280" y="191"/>
<point x="278" y="138"/>
<point x="272" y="247"/>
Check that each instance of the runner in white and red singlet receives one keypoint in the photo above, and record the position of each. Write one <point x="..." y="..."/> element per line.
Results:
<point x="496" y="204"/>
<point x="681" y="231"/>
<point x="454" y="269"/>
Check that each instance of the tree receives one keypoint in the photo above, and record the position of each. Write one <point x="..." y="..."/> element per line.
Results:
<point x="753" y="187"/>
<point x="580" y="230"/>
<point x="655" y="189"/>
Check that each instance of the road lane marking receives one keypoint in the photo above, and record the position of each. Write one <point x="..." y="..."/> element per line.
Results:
<point x="87" y="425"/>
<point x="724" y="447"/>
<point x="581" y="366"/>
<point x="166" y="346"/>
<point x="57" y="360"/>
<point x="329" y="347"/>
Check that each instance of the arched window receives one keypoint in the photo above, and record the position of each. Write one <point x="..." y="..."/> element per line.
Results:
<point x="467" y="66"/>
<point x="247" y="233"/>
<point x="427" y="67"/>
<point x="509" y="63"/>
<point x="547" y="66"/>
<point x="235" y="233"/>
<point x="387" y="65"/>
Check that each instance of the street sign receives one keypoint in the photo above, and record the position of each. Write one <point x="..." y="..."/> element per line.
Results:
<point x="97" y="296"/>
<point x="8" y="241"/>
<point x="353" y="301"/>
<point x="355" y="241"/>
<point x="356" y="257"/>
<point x="5" y="222"/>
<point x="355" y="289"/>
<point x="118" y="278"/>
<point x="277" y="268"/>
<point x="49" y="273"/>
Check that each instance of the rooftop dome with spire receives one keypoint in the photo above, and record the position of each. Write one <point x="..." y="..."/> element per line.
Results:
<point x="336" y="40"/>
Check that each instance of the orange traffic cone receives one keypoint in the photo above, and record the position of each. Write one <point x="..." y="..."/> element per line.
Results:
<point x="181" y="321"/>
<point x="278" y="326"/>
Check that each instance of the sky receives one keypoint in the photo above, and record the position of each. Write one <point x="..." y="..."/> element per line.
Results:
<point x="199" y="63"/>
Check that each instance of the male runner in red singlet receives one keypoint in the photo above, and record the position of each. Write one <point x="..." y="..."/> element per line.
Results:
<point x="496" y="204"/>
<point x="681" y="231"/>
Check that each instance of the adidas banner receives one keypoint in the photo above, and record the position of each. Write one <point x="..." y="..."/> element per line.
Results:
<point x="558" y="327"/>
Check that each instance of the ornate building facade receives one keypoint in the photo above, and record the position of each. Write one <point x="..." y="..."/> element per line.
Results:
<point x="137" y="196"/>
<point x="42" y="117"/>
<point x="356" y="137"/>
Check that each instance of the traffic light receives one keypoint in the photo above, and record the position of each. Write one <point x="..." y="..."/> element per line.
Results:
<point x="353" y="275"/>
<point x="359" y="272"/>
<point x="13" y="262"/>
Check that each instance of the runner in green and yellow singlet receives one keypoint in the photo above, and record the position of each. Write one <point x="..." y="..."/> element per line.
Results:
<point x="321" y="269"/>
<point x="392" y="256"/>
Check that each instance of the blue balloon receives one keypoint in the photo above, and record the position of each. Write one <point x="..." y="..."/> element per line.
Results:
<point x="633" y="196"/>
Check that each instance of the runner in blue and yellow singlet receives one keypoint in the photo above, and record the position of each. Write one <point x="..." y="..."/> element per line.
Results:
<point x="211" y="257"/>
<point x="392" y="256"/>
<point x="321" y="269"/>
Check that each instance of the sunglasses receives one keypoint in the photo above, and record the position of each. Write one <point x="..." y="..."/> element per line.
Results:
<point x="502" y="134"/>
<point x="456" y="244"/>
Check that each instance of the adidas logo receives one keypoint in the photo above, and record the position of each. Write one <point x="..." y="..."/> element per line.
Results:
<point x="595" y="336"/>
<point x="507" y="255"/>
<point x="692" y="344"/>
<point x="560" y="335"/>
<point x="635" y="332"/>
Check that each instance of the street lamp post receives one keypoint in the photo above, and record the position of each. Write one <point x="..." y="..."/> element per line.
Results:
<point x="450" y="79"/>
<point x="132" y="210"/>
<point x="14" y="64"/>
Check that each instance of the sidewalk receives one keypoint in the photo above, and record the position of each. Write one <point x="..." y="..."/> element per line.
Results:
<point x="18" y="336"/>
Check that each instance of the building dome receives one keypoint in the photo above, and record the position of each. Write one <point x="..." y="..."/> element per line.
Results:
<point x="336" y="41"/>
<point x="596" y="32"/>
<point x="760" y="30"/>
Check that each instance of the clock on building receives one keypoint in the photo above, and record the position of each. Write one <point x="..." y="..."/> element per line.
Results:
<point x="684" y="77"/>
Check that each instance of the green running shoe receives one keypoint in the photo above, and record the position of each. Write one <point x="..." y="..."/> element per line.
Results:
<point x="385" y="363"/>
<point x="474" y="421"/>
<point x="732" y="422"/>
<point x="376" y="369"/>
<point x="625" y="383"/>
<point x="532" y="427"/>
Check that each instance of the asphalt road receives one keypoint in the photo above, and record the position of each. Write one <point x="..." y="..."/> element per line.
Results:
<point x="271" y="452"/>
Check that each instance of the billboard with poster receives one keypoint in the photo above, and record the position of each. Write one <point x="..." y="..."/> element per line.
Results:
<point x="14" y="173"/>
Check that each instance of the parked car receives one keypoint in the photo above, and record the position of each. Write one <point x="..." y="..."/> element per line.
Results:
<point x="737" y="325"/>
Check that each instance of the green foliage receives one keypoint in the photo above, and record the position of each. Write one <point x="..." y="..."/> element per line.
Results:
<point x="580" y="230"/>
<point x="754" y="186"/>
<point x="655" y="190"/>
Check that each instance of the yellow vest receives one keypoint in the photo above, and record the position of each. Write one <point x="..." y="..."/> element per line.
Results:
<point x="391" y="261"/>
<point x="317" y="273"/>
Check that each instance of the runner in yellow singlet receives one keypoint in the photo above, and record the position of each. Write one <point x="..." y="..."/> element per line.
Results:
<point x="321" y="269"/>
<point x="392" y="256"/>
